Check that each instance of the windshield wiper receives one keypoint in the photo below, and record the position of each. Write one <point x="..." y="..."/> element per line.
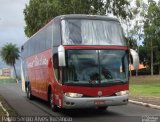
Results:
<point x="115" y="81"/>
<point x="120" y="80"/>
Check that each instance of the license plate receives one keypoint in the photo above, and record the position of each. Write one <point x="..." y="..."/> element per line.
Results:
<point x="99" y="102"/>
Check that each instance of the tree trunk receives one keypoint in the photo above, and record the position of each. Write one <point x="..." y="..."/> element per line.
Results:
<point x="159" y="69"/>
<point x="136" y="72"/>
<point x="15" y="73"/>
<point x="151" y="58"/>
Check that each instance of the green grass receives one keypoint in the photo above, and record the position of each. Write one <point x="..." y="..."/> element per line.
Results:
<point x="7" y="80"/>
<point x="145" y="86"/>
<point x="145" y="89"/>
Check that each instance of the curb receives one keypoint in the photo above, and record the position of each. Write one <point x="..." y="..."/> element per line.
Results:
<point x="7" y="114"/>
<point x="145" y="104"/>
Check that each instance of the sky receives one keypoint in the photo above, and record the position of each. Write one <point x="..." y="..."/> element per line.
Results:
<point x="12" y="23"/>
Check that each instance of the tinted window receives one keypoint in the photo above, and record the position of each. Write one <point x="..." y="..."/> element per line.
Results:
<point x="31" y="47"/>
<point x="48" y="36"/>
<point x="92" y="32"/>
<point x="56" y="34"/>
<point x="96" y="66"/>
<point x="41" y="40"/>
<point x="55" y="66"/>
<point x="36" y="39"/>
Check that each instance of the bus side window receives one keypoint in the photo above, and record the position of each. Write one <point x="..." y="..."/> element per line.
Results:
<point x="55" y="66"/>
<point x="56" y="34"/>
<point x="48" y="36"/>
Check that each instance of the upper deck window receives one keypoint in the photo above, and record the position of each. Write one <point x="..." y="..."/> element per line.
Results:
<point x="92" y="32"/>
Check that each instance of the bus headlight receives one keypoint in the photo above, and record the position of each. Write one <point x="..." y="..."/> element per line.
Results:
<point x="75" y="95"/>
<point x="121" y="93"/>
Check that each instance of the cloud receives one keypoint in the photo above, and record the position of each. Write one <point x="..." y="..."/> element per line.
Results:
<point x="12" y="21"/>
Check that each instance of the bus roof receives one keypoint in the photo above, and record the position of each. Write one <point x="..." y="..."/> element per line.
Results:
<point x="84" y="16"/>
<point x="76" y="16"/>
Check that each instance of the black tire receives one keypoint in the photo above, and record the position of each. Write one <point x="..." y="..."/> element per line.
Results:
<point x="103" y="108"/>
<point x="29" y="93"/>
<point x="51" y="103"/>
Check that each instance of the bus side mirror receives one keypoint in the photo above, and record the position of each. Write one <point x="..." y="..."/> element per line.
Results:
<point x="61" y="56"/>
<point x="135" y="58"/>
<point x="22" y="48"/>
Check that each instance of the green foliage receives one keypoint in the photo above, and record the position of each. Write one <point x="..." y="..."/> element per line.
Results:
<point x="38" y="12"/>
<point x="145" y="89"/>
<point x="9" y="54"/>
<point x="138" y="13"/>
<point x="7" y="80"/>
<point x="145" y="85"/>
<point x="144" y="55"/>
<point x="135" y="11"/>
<point x="119" y="9"/>
<point x="132" y="43"/>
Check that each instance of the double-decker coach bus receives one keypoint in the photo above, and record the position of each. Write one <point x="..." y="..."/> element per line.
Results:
<point x="78" y="61"/>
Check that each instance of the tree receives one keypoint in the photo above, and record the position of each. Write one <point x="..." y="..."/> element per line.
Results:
<point x="131" y="43"/>
<point x="9" y="54"/>
<point x="144" y="55"/>
<point x="136" y="25"/>
<point x="119" y="8"/>
<point x="152" y="33"/>
<point x="39" y="12"/>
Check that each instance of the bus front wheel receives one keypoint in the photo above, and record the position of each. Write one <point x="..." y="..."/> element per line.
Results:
<point x="103" y="108"/>
<point x="52" y="104"/>
<point x="29" y="93"/>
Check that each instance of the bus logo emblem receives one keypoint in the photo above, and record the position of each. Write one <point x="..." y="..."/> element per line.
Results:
<point x="99" y="93"/>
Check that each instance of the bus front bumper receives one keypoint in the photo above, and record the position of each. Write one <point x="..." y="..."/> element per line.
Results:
<point x="69" y="102"/>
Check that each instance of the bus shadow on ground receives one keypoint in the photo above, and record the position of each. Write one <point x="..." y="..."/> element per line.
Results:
<point x="89" y="112"/>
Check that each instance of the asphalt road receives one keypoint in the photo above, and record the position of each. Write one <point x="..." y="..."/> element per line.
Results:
<point x="129" y="113"/>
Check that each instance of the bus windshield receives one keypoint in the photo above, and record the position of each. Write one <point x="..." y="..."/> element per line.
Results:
<point x="92" y="32"/>
<point x="96" y="67"/>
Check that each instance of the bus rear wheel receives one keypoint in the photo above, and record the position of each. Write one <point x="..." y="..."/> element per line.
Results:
<point x="52" y="104"/>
